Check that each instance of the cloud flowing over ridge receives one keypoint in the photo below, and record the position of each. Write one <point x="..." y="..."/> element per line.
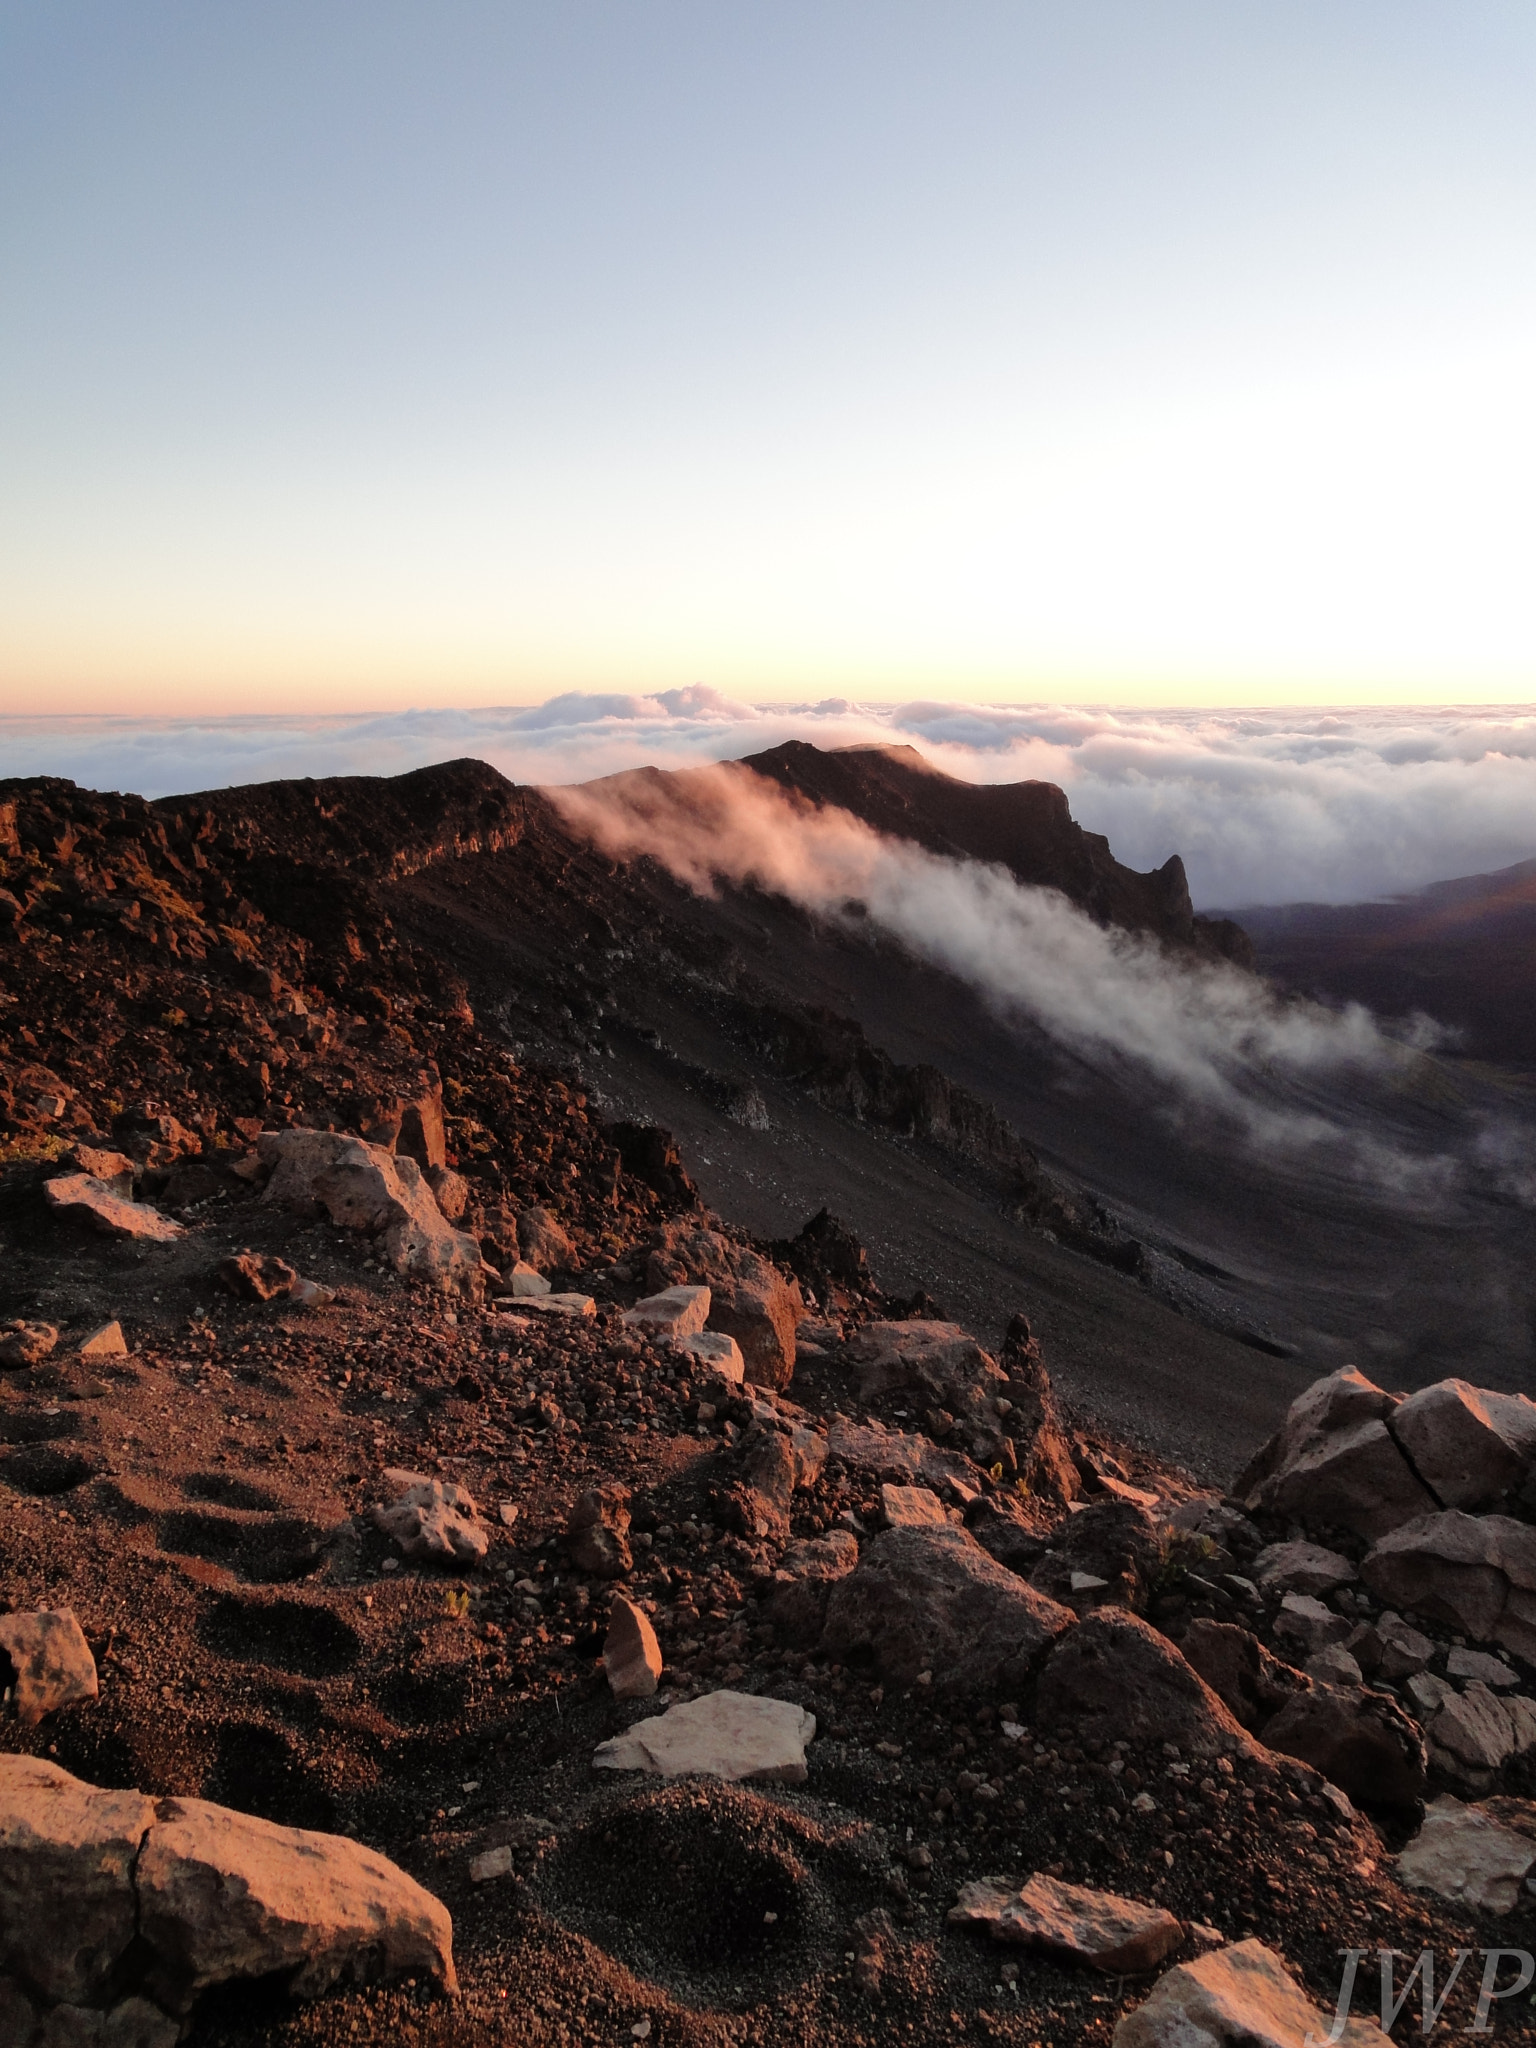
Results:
<point x="1216" y="1039"/>
<point x="1265" y="806"/>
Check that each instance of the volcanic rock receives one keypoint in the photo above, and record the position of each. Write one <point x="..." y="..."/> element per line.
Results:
<point x="1462" y="1663"/>
<point x="750" y="1299"/>
<point x="523" y="1282"/>
<point x="223" y="1895"/>
<point x="115" y="1169"/>
<point x="720" y="1354"/>
<point x="1005" y="1531"/>
<point x="1479" y="1730"/>
<point x="85" y="1199"/>
<point x="1475" y="1573"/>
<point x="597" y="1535"/>
<point x="252" y="1276"/>
<point x="631" y="1654"/>
<point x="1115" y="1679"/>
<point x="1241" y="1996"/>
<point x="450" y="1191"/>
<point x="52" y="1662"/>
<point x="363" y="1187"/>
<point x="912" y="1507"/>
<point x="107" y="1898"/>
<point x="674" y="1312"/>
<point x="729" y="1735"/>
<point x="1251" y="1683"/>
<point x="1308" y="1622"/>
<point x="933" y="1600"/>
<point x="1467" y="1445"/>
<point x="1359" y="1740"/>
<point x="904" y="1459"/>
<point x="1302" y="1568"/>
<point x="1112" y="1542"/>
<point x="433" y="1518"/>
<point x="107" y="1342"/>
<point x="797" y="1603"/>
<point x="1120" y="1936"/>
<point x="1047" y="1470"/>
<point x="543" y="1242"/>
<point x="1333" y="1461"/>
<point x="1467" y="1855"/>
<point x="26" y="1343"/>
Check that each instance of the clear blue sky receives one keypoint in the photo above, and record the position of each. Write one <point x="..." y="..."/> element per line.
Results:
<point x="369" y="354"/>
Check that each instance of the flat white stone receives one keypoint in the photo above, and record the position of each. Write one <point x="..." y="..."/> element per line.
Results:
<point x="1464" y="1854"/>
<point x="720" y="1353"/>
<point x="730" y="1735"/>
<point x="1242" y="1996"/>
<point x="675" y="1312"/>
<point x="561" y="1304"/>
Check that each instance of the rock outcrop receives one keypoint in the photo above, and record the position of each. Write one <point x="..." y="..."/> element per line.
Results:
<point x="118" y="1911"/>
<point x="933" y="1600"/>
<point x="363" y="1187"/>
<point x="1115" y="1679"/>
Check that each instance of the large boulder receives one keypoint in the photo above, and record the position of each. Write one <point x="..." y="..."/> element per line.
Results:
<point x="806" y="1574"/>
<point x="1112" y="1543"/>
<point x="1251" y="1683"/>
<point x="750" y="1299"/>
<point x="1115" y="1679"/>
<point x="1334" y="1462"/>
<point x="898" y="1455"/>
<point x="933" y="1600"/>
<point x="1360" y="1741"/>
<point x="1475" y="1573"/>
<point x="1007" y="1531"/>
<point x="1467" y="1445"/>
<point x="1301" y="1568"/>
<point x="1242" y="1996"/>
<point x="363" y="1187"/>
<point x="941" y="1368"/>
<point x="117" y="1911"/>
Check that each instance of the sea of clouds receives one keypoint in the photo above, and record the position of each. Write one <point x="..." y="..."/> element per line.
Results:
<point x="1265" y="806"/>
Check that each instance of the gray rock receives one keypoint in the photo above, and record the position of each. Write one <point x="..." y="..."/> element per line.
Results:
<point x="1478" y="1729"/>
<point x="433" y="1519"/>
<point x="1403" y="1649"/>
<point x="1302" y="1619"/>
<point x="720" y="1354"/>
<point x="1333" y="1665"/>
<point x="1463" y="1663"/>
<point x="1467" y="1445"/>
<point x="543" y="1243"/>
<point x="1302" y="1568"/>
<point x="728" y="1735"/>
<point x="1355" y="1478"/>
<point x="1461" y="1569"/>
<point x="933" y="1600"/>
<point x="51" y="1660"/>
<point x="1465" y="1854"/>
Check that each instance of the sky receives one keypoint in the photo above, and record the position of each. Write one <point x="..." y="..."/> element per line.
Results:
<point x="385" y="359"/>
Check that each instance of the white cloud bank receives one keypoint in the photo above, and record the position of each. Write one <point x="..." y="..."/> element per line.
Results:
<point x="1213" y="1039"/>
<point x="1265" y="807"/>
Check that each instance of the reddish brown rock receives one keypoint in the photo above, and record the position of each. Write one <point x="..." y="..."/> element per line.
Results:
<point x="51" y="1662"/>
<point x="597" y="1535"/>
<point x="1120" y="1936"/>
<point x="631" y="1654"/>
<point x="1115" y="1679"/>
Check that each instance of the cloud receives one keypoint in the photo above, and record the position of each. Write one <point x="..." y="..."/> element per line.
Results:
<point x="1265" y="807"/>
<point x="1213" y="1040"/>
